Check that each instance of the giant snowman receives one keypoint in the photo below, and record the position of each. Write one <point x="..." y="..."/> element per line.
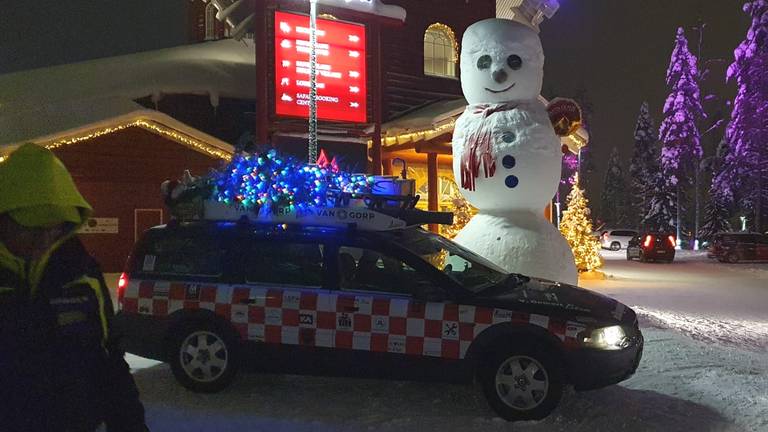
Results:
<point x="506" y="156"/>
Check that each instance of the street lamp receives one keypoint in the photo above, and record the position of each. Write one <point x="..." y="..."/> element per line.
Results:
<point x="312" y="81"/>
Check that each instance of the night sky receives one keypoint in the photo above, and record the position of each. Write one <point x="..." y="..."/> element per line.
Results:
<point x="617" y="52"/>
<point x="614" y="52"/>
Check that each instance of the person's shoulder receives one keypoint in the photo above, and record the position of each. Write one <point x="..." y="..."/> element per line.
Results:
<point x="74" y="254"/>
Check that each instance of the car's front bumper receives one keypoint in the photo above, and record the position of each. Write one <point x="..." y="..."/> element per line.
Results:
<point x="592" y="368"/>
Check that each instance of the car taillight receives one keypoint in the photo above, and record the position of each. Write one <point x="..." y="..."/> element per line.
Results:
<point x="672" y="241"/>
<point x="648" y="240"/>
<point x="122" y="283"/>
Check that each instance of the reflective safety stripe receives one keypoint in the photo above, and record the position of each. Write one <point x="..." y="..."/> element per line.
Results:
<point x="95" y="285"/>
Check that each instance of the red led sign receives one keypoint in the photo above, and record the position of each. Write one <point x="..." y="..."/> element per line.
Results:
<point x="341" y="90"/>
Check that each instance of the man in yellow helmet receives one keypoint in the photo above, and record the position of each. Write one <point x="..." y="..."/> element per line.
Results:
<point x="60" y="368"/>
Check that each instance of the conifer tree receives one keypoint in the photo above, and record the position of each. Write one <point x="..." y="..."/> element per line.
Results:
<point x="576" y="227"/>
<point x="614" y="196"/>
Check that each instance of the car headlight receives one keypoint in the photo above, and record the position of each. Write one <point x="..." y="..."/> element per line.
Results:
<point x="607" y="338"/>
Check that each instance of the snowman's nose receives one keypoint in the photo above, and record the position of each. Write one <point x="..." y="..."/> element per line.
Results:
<point x="500" y="75"/>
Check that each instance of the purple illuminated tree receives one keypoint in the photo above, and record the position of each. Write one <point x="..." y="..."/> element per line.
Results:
<point x="681" y="152"/>
<point x="744" y="179"/>
<point x="644" y="164"/>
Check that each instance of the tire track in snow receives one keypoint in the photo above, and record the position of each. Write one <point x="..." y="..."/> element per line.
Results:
<point x="745" y="334"/>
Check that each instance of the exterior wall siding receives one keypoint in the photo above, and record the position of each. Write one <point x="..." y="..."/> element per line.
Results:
<point x="122" y="172"/>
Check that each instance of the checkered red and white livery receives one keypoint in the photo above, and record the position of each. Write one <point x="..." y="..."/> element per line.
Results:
<point x="322" y="318"/>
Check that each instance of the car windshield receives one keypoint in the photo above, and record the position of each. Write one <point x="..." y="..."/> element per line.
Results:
<point x="470" y="270"/>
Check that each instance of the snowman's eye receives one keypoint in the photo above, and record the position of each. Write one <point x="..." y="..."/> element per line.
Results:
<point x="484" y="62"/>
<point x="515" y="62"/>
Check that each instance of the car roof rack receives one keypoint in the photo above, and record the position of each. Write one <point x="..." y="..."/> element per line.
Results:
<point x="367" y="212"/>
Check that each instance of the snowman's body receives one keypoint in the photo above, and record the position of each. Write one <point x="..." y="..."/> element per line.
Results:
<point x="507" y="158"/>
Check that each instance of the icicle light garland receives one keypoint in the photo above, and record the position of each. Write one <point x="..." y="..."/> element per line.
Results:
<point x="263" y="181"/>
<point x="152" y="127"/>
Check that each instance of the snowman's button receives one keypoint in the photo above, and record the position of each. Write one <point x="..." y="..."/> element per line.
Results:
<point x="509" y="162"/>
<point x="511" y="181"/>
<point x="508" y="137"/>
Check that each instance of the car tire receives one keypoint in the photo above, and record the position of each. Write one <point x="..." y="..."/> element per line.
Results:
<point x="732" y="257"/>
<point x="615" y="246"/>
<point x="641" y="257"/>
<point x="531" y="394"/>
<point x="204" y="356"/>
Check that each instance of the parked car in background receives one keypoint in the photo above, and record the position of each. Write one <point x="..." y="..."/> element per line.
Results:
<point x="652" y="246"/>
<point x="736" y="247"/>
<point x="616" y="239"/>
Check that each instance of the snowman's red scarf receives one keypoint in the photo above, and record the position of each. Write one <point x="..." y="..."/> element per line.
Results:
<point x="478" y="147"/>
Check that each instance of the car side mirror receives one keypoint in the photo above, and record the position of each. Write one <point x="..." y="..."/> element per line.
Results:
<point x="427" y="292"/>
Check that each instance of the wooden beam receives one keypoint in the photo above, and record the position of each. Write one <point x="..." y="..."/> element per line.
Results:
<point x="432" y="188"/>
<point x="439" y="145"/>
<point x="412" y="157"/>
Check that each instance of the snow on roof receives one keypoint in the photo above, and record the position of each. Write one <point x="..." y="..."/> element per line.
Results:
<point x="431" y="116"/>
<point x="239" y="15"/>
<point x="46" y="101"/>
<point x="115" y="117"/>
<point x="374" y="7"/>
<point x="220" y="68"/>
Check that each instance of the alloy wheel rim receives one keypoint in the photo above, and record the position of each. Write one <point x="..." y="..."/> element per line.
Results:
<point x="203" y="356"/>
<point x="522" y="382"/>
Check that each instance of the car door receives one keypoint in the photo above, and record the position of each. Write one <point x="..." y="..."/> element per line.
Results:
<point x="385" y="304"/>
<point x="762" y="248"/>
<point x="633" y="246"/>
<point x="285" y="291"/>
<point x="748" y="247"/>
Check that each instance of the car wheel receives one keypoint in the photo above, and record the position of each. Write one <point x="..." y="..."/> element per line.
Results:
<point x="641" y="256"/>
<point x="615" y="246"/>
<point x="732" y="257"/>
<point x="204" y="357"/>
<point x="524" y="383"/>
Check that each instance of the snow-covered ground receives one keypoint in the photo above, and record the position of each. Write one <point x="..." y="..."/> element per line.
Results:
<point x="705" y="368"/>
<point x="706" y="299"/>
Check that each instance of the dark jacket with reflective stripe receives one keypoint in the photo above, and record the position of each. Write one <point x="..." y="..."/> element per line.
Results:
<point x="60" y="368"/>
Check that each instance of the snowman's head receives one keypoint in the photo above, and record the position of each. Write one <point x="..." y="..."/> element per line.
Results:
<point x="501" y="61"/>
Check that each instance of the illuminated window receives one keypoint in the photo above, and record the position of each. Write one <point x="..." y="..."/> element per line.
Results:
<point x="210" y="22"/>
<point x="440" y="51"/>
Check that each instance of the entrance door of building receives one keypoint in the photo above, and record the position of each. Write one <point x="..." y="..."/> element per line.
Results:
<point x="144" y="219"/>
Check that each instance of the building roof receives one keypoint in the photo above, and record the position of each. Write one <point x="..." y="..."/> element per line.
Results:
<point x="239" y="14"/>
<point x="57" y="100"/>
<point x="439" y="118"/>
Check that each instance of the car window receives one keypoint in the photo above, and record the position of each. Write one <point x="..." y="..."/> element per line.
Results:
<point x="362" y="269"/>
<point x="283" y="263"/>
<point x="623" y="233"/>
<point x="182" y="255"/>
<point x="468" y="269"/>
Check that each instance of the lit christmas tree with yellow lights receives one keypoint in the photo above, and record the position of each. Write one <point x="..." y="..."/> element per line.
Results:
<point x="577" y="229"/>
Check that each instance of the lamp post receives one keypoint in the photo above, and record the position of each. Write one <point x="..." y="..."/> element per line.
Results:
<point x="312" y="81"/>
